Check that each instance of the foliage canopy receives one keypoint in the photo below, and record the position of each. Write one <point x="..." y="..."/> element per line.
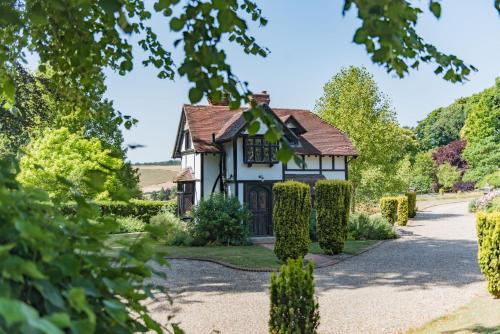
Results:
<point x="59" y="156"/>
<point x="353" y="103"/>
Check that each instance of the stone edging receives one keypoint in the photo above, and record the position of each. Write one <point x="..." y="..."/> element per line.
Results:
<point x="269" y="270"/>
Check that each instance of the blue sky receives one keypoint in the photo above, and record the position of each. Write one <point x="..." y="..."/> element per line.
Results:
<point x="309" y="42"/>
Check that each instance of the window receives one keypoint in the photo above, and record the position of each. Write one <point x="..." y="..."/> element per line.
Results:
<point x="257" y="150"/>
<point x="187" y="140"/>
<point x="185" y="197"/>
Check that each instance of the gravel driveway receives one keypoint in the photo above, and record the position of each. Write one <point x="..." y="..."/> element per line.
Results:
<point x="428" y="272"/>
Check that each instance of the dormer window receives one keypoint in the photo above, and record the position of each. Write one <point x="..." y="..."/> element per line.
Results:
<point x="258" y="150"/>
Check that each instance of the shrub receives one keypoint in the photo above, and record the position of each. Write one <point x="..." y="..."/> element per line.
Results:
<point x="463" y="186"/>
<point x="333" y="203"/>
<point x="362" y="227"/>
<point x="472" y="206"/>
<point x="140" y="209"/>
<point x="130" y="224"/>
<point x="294" y="307"/>
<point x="402" y="212"/>
<point x="412" y="204"/>
<point x="451" y="153"/>
<point x="220" y="220"/>
<point x="313" y="231"/>
<point x="389" y="208"/>
<point x="482" y="203"/>
<point x="291" y="214"/>
<point x="488" y="235"/>
<point x="492" y="180"/>
<point x="447" y="175"/>
<point x="175" y="229"/>
<point x="494" y="205"/>
<point x="60" y="274"/>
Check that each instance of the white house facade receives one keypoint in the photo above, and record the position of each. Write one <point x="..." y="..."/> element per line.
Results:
<point x="217" y="155"/>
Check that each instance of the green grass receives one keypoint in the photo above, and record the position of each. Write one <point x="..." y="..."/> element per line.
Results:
<point x="243" y="256"/>
<point x="252" y="256"/>
<point x="351" y="247"/>
<point x="482" y="315"/>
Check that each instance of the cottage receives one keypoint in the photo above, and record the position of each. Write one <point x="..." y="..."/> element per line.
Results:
<point x="217" y="155"/>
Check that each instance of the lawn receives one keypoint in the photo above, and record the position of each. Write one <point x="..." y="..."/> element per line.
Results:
<point x="351" y="247"/>
<point x="253" y="256"/>
<point x="482" y="315"/>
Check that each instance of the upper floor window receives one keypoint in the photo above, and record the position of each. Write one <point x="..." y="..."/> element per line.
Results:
<point x="187" y="140"/>
<point x="257" y="150"/>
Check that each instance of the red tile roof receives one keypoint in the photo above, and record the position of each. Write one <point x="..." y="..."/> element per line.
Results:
<point x="184" y="175"/>
<point x="320" y="137"/>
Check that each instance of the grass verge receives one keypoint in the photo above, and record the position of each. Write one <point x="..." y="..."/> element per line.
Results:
<point x="253" y="256"/>
<point x="351" y="247"/>
<point x="482" y="315"/>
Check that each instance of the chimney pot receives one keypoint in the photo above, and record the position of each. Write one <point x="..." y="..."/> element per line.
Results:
<point x="262" y="97"/>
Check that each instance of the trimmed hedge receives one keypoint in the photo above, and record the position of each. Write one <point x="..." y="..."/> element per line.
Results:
<point x="402" y="212"/>
<point x="412" y="204"/>
<point x="389" y="208"/>
<point x="333" y="203"/>
<point x="140" y="209"/>
<point x="294" y="307"/>
<point x="488" y="236"/>
<point x="291" y="213"/>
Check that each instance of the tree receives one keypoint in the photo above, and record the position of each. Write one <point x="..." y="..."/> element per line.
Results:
<point x="61" y="162"/>
<point x="35" y="111"/>
<point x="352" y="102"/>
<point x="452" y="154"/>
<point x="442" y="125"/>
<point x="447" y="175"/>
<point x="81" y="39"/>
<point x="423" y="172"/>
<point x="481" y="130"/>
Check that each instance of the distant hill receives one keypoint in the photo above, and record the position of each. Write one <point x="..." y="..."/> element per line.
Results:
<point x="154" y="177"/>
<point x="160" y="163"/>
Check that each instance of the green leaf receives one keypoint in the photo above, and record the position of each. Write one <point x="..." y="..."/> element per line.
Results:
<point x="176" y="24"/>
<point x="110" y="6"/>
<point x="253" y="128"/>
<point x="4" y="249"/>
<point x="59" y="319"/>
<point x="435" y="8"/>
<point x="284" y="154"/>
<point x="9" y="88"/>
<point x="195" y="95"/>
<point x="359" y="36"/>
<point x="76" y="297"/>
<point x="14" y="311"/>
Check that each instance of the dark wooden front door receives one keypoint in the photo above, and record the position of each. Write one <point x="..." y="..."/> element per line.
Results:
<point x="259" y="201"/>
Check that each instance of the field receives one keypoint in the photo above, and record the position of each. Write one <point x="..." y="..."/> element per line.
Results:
<point x="154" y="177"/>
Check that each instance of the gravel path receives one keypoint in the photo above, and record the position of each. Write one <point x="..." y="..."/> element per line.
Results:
<point x="404" y="283"/>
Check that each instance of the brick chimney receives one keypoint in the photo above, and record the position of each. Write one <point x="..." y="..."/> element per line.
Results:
<point x="262" y="97"/>
<point x="224" y="101"/>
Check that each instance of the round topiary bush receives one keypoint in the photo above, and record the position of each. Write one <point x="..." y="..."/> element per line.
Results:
<point x="412" y="203"/>
<point x="488" y="236"/>
<point x="291" y="213"/>
<point x="333" y="203"/>
<point x="294" y="307"/>
<point x="402" y="211"/>
<point x="389" y="208"/>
